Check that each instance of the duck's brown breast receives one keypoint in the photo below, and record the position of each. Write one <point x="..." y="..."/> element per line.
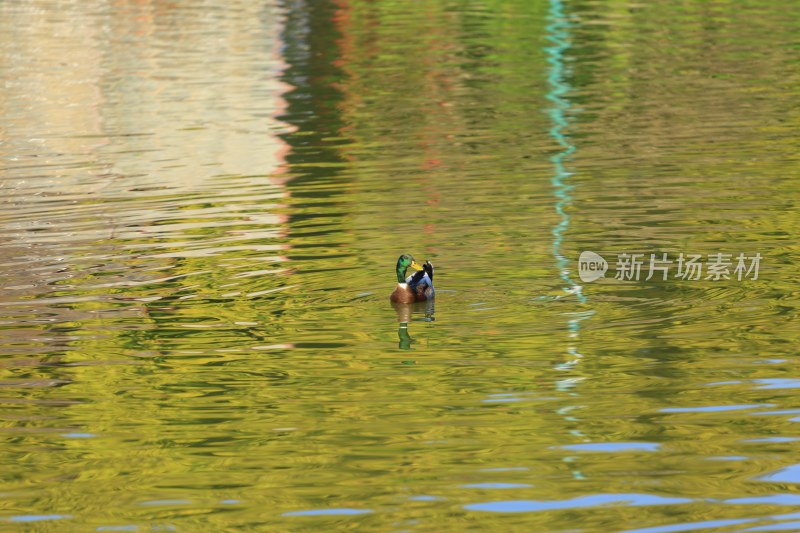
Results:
<point x="403" y="295"/>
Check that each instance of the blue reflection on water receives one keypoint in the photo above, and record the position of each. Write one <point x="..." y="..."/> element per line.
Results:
<point x="37" y="517"/>
<point x="715" y="408"/>
<point x="779" y="412"/>
<point x="777" y="383"/>
<point x="787" y="516"/>
<point x="497" y="486"/>
<point x="530" y="506"/>
<point x="790" y="474"/>
<point x="773" y="439"/>
<point x="612" y="446"/>
<point x="322" y="512"/>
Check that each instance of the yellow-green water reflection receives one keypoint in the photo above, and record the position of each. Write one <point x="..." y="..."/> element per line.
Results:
<point x="203" y="202"/>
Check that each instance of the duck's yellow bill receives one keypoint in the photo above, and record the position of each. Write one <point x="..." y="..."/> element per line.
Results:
<point x="415" y="265"/>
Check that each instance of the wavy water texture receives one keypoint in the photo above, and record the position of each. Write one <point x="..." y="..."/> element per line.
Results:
<point x="201" y="205"/>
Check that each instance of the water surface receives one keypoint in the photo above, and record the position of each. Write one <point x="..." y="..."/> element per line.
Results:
<point x="202" y="203"/>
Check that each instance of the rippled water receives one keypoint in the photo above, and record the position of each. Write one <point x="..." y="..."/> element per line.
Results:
<point x="202" y="202"/>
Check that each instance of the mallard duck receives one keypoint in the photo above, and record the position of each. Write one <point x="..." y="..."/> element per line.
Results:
<point x="417" y="287"/>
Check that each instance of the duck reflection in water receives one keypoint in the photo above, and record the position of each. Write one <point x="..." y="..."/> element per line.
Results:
<point x="405" y="315"/>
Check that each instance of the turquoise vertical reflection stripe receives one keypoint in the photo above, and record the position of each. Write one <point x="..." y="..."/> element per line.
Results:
<point x="558" y="35"/>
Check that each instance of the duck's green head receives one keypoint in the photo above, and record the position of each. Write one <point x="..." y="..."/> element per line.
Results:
<point x="403" y="262"/>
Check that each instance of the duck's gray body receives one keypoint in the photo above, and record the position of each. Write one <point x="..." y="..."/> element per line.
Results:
<point x="421" y="283"/>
